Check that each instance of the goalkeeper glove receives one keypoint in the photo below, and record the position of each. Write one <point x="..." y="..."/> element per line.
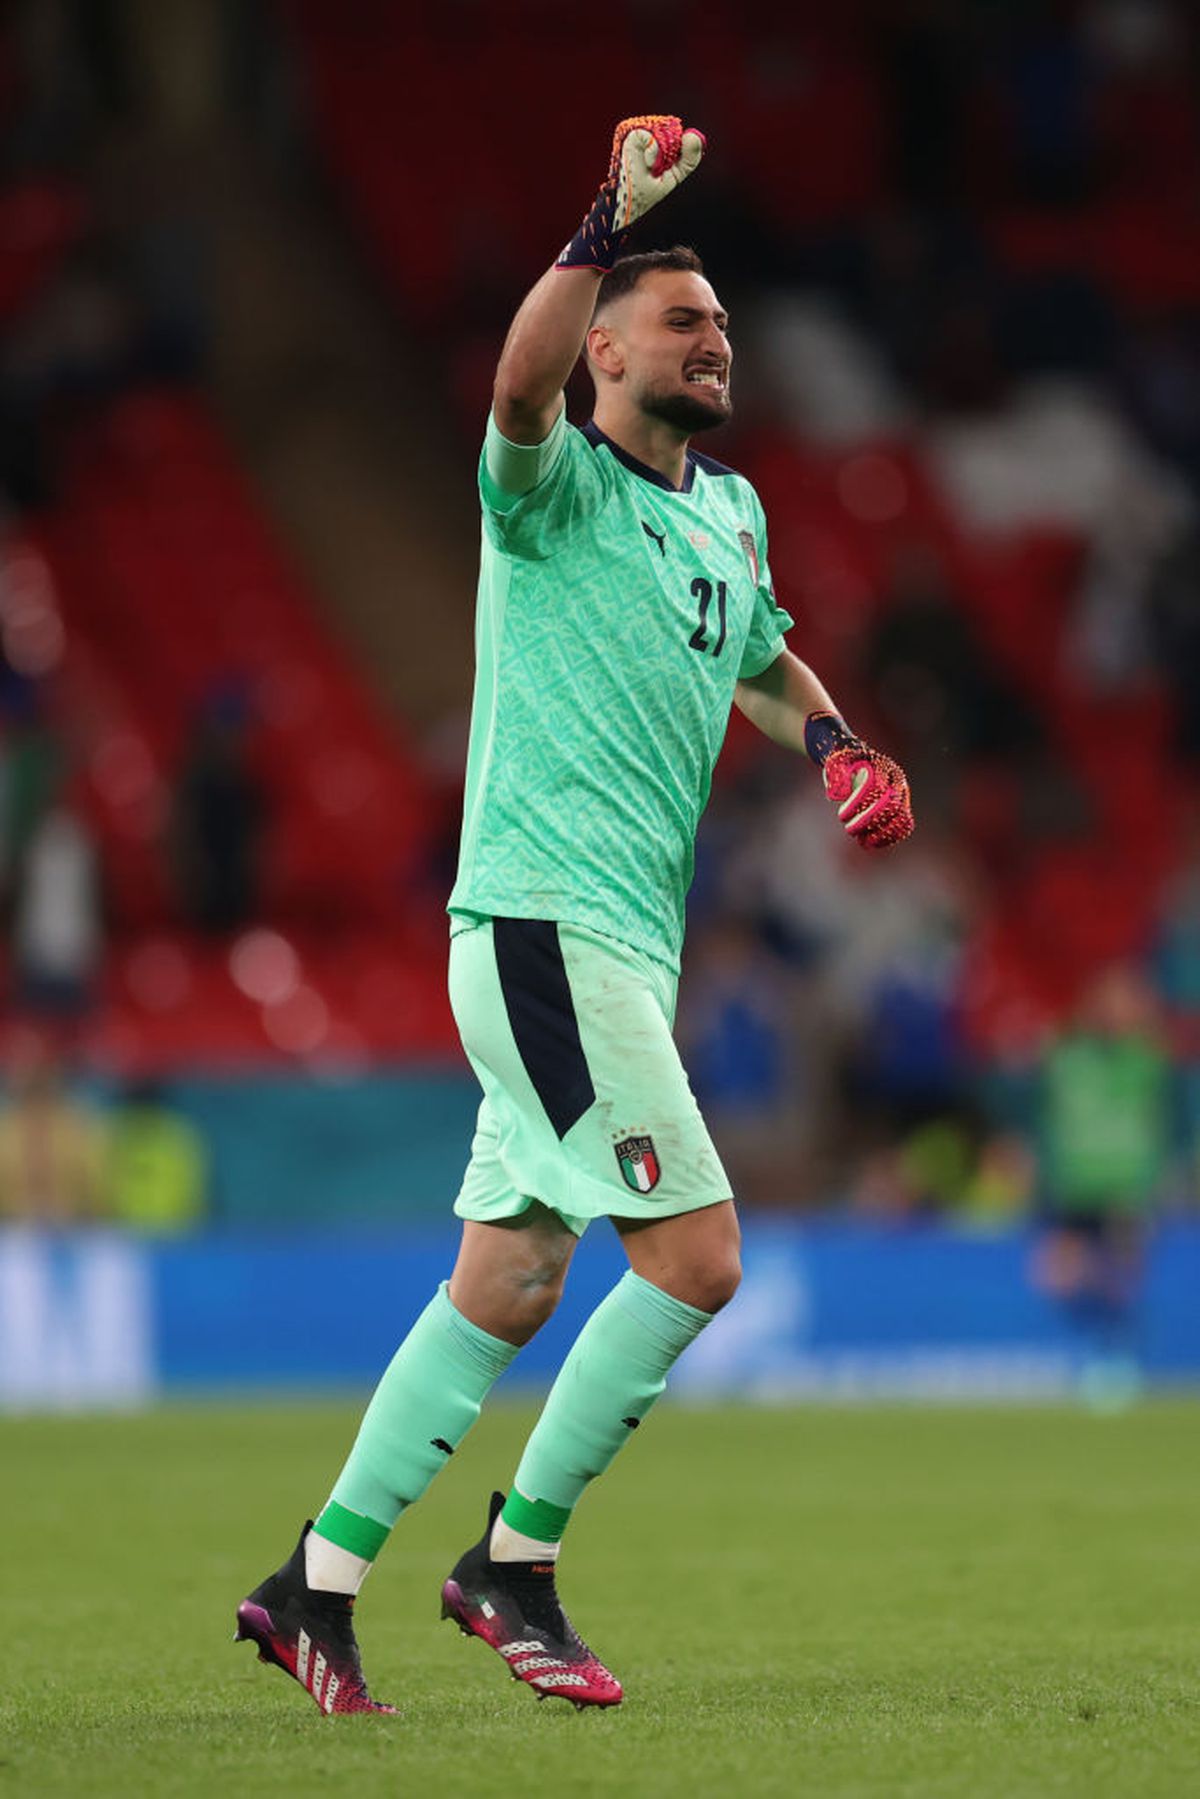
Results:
<point x="869" y="790"/>
<point x="651" y="155"/>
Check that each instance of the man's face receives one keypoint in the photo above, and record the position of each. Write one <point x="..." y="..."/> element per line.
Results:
<point x="667" y="341"/>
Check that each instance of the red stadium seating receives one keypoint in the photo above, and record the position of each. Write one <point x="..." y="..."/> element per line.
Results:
<point x="171" y="588"/>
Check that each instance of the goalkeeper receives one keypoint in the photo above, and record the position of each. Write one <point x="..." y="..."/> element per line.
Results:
<point x="624" y="606"/>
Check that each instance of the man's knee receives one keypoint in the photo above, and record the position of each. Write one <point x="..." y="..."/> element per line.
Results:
<point x="714" y="1282"/>
<point x="535" y="1296"/>
<point x="694" y="1256"/>
<point x="512" y="1304"/>
<point x="508" y="1279"/>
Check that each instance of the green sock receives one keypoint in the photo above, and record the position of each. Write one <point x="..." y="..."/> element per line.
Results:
<point x="616" y="1370"/>
<point x="420" y="1412"/>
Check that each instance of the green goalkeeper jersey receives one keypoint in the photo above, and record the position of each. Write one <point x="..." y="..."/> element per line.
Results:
<point x="615" y="616"/>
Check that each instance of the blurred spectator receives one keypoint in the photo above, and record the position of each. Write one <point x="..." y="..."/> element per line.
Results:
<point x="52" y="89"/>
<point x="1177" y="949"/>
<point x="51" y="1147"/>
<point x="1174" y="607"/>
<point x="1105" y="1142"/>
<point x="1177" y="967"/>
<point x="218" y="821"/>
<point x="944" y="705"/>
<point x="920" y="287"/>
<point x="57" y="931"/>
<point x="156" y="1169"/>
<point x="75" y="348"/>
<point x="1058" y="453"/>
<point x="909" y="1059"/>
<point x="1131" y="549"/>
<point x="1147" y="126"/>
<point x="877" y="945"/>
<point x="854" y="917"/>
<point x="827" y="383"/>
<point x="943" y="1169"/>
<point x="739" y="1055"/>
<point x="926" y="99"/>
<point x="29" y="766"/>
<point x="935" y="1161"/>
<point x="1161" y="381"/>
<point x="880" y="1190"/>
<point x="1049" y="92"/>
<point x="1000" y="1189"/>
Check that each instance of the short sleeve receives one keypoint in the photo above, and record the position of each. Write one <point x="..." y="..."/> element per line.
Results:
<point x="764" y="641"/>
<point x="535" y="495"/>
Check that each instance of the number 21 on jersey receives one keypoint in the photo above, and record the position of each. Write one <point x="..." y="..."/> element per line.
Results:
<point x="700" y="639"/>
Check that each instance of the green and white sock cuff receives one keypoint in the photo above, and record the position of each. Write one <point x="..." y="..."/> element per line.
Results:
<point x="535" y="1519"/>
<point x="351" y="1531"/>
<point x="491" y="1355"/>
<point x="671" y="1322"/>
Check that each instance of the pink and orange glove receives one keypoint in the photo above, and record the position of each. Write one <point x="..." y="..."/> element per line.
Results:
<point x="651" y="155"/>
<point x="869" y="790"/>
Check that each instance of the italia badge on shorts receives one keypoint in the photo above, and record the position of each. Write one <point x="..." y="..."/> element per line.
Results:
<point x="639" y="1163"/>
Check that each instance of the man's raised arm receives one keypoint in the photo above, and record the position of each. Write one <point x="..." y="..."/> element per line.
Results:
<point x="541" y="349"/>
<point x="651" y="155"/>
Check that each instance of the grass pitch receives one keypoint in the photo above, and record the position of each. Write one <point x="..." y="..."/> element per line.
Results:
<point x="849" y="1605"/>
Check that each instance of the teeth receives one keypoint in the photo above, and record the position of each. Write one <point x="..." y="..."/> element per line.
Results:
<point x="706" y="378"/>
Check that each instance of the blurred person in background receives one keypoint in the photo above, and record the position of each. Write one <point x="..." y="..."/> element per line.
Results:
<point x="1174" y="627"/>
<point x="30" y="764"/>
<point x="940" y="694"/>
<point x="58" y="932"/>
<point x="1105" y="1139"/>
<point x="51" y="1146"/>
<point x="624" y="604"/>
<point x="218" y="820"/>
<point x="735" y="1031"/>
<point x="1177" y="974"/>
<point x="1001" y="1188"/>
<point x="66" y="356"/>
<point x="945" y="1169"/>
<point x="156" y="1166"/>
<point x="1177" y="941"/>
<point x="875" y="948"/>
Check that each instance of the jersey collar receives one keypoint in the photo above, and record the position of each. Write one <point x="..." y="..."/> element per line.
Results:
<point x="596" y="437"/>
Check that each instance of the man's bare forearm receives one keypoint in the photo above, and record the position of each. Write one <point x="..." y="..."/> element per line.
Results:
<point x="542" y="347"/>
<point x="780" y="699"/>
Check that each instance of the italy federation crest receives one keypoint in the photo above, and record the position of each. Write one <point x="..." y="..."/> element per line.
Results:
<point x="750" y="551"/>
<point x="639" y="1163"/>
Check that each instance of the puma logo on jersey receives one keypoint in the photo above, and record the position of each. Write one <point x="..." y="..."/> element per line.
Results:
<point x="660" y="538"/>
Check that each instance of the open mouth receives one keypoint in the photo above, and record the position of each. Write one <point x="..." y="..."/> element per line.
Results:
<point x="714" y="378"/>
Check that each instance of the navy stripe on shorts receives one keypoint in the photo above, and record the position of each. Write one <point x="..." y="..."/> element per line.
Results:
<point x="541" y="1012"/>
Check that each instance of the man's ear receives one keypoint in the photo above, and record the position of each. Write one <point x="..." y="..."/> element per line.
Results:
<point x="604" y="351"/>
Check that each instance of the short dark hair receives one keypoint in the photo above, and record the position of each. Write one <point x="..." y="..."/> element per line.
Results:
<point x="627" y="271"/>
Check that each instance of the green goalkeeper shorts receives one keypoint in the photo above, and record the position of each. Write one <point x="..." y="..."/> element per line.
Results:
<point x="586" y="1106"/>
